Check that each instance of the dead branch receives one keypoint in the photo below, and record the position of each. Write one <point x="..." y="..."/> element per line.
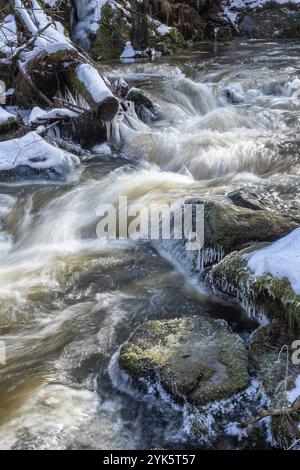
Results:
<point x="295" y="407"/>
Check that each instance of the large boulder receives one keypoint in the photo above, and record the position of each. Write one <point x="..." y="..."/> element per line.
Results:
<point x="228" y="227"/>
<point x="193" y="359"/>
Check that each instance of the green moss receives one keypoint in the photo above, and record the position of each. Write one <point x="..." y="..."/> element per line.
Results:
<point x="231" y="227"/>
<point x="112" y="35"/>
<point x="174" y="40"/>
<point x="77" y="84"/>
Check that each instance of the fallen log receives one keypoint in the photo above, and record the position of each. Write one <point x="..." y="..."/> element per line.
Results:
<point x="48" y="63"/>
<point x="86" y="130"/>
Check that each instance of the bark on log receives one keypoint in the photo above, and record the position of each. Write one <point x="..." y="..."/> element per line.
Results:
<point x="86" y="130"/>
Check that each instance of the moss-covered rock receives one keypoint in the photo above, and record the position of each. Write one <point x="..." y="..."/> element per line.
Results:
<point x="266" y="296"/>
<point x="169" y="43"/>
<point x="232" y="227"/>
<point x="193" y="359"/>
<point x="114" y="31"/>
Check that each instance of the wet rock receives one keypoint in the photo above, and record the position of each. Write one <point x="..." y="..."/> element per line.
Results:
<point x="230" y="227"/>
<point x="264" y="199"/>
<point x="169" y="43"/>
<point x="271" y="20"/>
<point x="145" y="108"/>
<point x="193" y="359"/>
<point x="245" y="198"/>
<point x="226" y="228"/>
<point x="113" y="31"/>
<point x="232" y="95"/>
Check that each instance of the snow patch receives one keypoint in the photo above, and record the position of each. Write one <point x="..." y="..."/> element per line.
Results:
<point x="235" y="430"/>
<point x="253" y="4"/>
<point x="102" y="149"/>
<point x="89" y="15"/>
<point x="51" y="3"/>
<point x="281" y="259"/>
<point x="38" y="114"/>
<point x="94" y="84"/>
<point x="163" y="30"/>
<point x="129" y="52"/>
<point x="52" y="39"/>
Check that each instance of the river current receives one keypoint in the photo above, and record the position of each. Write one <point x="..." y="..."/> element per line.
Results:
<point x="230" y="118"/>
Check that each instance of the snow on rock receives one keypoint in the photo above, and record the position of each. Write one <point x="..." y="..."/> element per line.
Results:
<point x="36" y="155"/>
<point x="129" y="52"/>
<point x="8" y="35"/>
<point x="102" y="149"/>
<point x="163" y="30"/>
<point x="6" y="118"/>
<point x="281" y="259"/>
<point x="38" y="114"/>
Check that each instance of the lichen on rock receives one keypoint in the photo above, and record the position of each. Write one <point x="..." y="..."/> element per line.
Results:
<point x="194" y="359"/>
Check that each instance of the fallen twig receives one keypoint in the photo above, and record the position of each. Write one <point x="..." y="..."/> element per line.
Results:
<point x="274" y="412"/>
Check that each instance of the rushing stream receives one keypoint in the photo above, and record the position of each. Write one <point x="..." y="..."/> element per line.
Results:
<point x="230" y="117"/>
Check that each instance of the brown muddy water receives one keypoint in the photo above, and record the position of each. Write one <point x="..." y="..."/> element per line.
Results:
<point x="230" y="118"/>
